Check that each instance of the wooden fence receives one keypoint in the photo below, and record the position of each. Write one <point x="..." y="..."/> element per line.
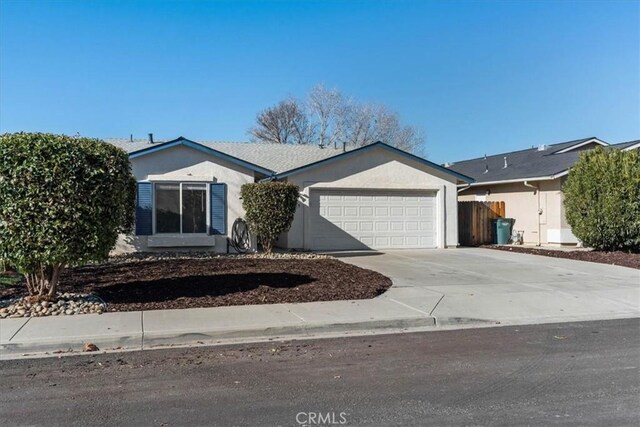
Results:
<point x="474" y="221"/>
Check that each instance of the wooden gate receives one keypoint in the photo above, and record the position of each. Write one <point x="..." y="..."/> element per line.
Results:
<point x="474" y="221"/>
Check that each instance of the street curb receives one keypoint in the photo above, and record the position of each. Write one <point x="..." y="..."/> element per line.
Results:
<point x="153" y="340"/>
<point x="13" y="350"/>
<point x="161" y="339"/>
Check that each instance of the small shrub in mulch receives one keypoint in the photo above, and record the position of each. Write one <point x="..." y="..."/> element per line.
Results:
<point x="171" y="283"/>
<point x="624" y="259"/>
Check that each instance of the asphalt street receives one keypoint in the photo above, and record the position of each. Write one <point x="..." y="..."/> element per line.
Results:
<point x="584" y="373"/>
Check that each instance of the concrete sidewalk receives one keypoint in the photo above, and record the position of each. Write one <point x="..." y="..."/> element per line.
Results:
<point x="138" y="330"/>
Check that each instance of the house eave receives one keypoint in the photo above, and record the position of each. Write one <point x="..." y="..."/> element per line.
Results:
<point x="515" y="180"/>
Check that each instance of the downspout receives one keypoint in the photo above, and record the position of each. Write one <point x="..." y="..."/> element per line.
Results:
<point x="461" y="189"/>
<point x="537" y="189"/>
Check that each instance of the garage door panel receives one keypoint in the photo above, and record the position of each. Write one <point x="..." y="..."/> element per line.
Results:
<point x="360" y="219"/>
<point x="350" y="211"/>
<point x="366" y="226"/>
<point x="412" y="226"/>
<point x="382" y="211"/>
<point x="397" y="226"/>
<point x="397" y="241"/>
<point x="366" y="211"/>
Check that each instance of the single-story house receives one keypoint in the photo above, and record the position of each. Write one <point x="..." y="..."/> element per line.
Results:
<point x="373" y="197"/>
<point x="530" y="183"/>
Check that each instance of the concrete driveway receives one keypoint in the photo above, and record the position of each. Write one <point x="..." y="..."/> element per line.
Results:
<point x="472" y="286"/>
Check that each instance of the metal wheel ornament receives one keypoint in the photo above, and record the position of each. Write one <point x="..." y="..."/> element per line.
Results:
<point x="240" y="236"/>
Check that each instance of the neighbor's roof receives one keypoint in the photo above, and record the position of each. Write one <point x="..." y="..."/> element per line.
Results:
<point x="627" y="145"/>
<point x="531" y="163"/>
<point x="275" y="157"/>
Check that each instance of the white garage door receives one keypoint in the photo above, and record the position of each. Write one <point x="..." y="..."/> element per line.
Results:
<point x="368" y="219"/>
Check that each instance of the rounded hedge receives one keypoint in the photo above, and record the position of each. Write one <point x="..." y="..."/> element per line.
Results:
<point x="63" y="200"/>
<point x="269" y="208"/>
<point x="602" y="199"/>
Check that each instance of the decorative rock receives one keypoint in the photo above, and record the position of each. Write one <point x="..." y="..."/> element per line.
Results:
<point x="67" y="304"/>
<point x="90" y="347"/>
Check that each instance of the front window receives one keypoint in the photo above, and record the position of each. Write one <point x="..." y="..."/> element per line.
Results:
<point x="181" y="208"/>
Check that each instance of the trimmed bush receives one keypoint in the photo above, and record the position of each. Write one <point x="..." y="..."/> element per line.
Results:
<point x="63" y="201"/>
<point x="602" y="199"/>
<point x="269" y="208"/>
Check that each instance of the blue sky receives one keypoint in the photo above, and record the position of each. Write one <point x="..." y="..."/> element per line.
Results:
<point x="476" y="77"/>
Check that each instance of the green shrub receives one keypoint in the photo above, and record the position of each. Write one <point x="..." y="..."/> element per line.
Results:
<point x="269" y="208"/>
<point x="63" y="201"/>
<point x="602" y="199"/>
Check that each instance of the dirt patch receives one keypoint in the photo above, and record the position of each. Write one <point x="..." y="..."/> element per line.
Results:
<point x="188" y="283"/>
<point x="624" y="259"/>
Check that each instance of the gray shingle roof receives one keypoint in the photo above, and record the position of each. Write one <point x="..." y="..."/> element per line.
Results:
<point x="276" y="157"/>
<point x="623" y="145"/>
<point x="529" y="163"/>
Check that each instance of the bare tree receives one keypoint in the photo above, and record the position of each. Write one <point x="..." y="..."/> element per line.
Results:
<point x="327" y="105"/>
<point x="284" y="123"/>
<point x="329" y="118"/>
<point x="369" y="123"/>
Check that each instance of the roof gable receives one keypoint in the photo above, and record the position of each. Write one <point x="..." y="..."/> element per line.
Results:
<point x="359" y="150"/>
<point x="181" y="141"/>
<point x="579" y="144"/>
<point x="627" y="146"/>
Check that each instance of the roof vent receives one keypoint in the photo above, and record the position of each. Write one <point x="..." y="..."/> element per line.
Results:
<point x="150" y="138"/>
<point x="505" y="163"/>
<point x="131" y="138"/>
<point x="486" y="169"/>
<point x="447" y="164"/>
<point x="542" y="147"/>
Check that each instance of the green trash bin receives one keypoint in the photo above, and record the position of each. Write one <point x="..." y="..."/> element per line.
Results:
<point x="503" y="230"/>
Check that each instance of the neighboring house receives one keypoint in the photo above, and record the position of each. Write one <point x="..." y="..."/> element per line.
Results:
<point x="374" y="197"/>
<point x="530" y="183"/>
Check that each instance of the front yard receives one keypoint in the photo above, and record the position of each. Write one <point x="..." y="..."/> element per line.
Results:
<point x="151" y="283"/>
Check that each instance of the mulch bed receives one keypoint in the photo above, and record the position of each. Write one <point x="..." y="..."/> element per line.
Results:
<point x="188" y="283"/>
<point x="624" y="259"/>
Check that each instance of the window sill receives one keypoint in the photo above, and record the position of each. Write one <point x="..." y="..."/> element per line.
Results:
<point x="177" y="240"/>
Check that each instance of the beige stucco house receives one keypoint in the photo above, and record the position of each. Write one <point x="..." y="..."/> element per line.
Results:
<point x="530" y="183"/>
<point x="373" y="197"/>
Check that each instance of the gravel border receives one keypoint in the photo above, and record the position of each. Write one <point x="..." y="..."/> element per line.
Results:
<point x="154" y="256"/>
<point x="67" y="304"/>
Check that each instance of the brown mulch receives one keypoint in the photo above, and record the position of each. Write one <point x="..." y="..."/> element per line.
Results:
<point x="213" y="282"/>
<point x="624" y="259"/>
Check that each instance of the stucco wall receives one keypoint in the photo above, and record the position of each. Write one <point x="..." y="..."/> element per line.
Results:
<point x="182" y="163"/>
<point x="521" y="203"/>
<point x="376" y="169"/>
